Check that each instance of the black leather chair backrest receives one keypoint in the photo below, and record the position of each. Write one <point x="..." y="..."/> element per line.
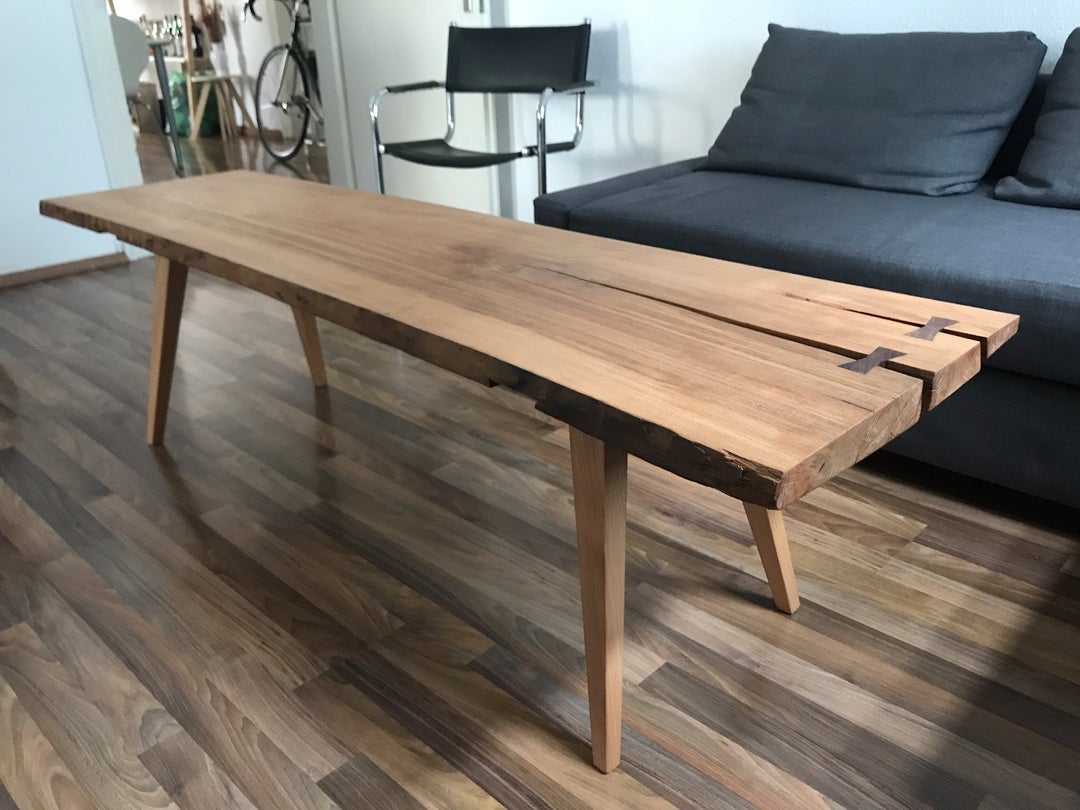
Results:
<point x="516" y="60"/>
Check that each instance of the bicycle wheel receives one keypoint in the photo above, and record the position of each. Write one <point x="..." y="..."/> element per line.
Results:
<point x="282" y="102"/>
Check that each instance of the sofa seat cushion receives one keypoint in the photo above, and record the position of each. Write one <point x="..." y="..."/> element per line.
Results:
<point x="968" y="248"/>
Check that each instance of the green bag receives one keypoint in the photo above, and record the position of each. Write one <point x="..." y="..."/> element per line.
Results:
<point x="178" y="98"/>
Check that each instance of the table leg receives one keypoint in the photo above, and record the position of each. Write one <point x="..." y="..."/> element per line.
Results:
<point x="309" y="339"/>
<point x="170" y="281"/>
<point x="199" y="109"/>
<point x="249" y="126"/>
<point x="600" y="507"/>
<point x="770" y="536"/>
<point x="224" y="115"/>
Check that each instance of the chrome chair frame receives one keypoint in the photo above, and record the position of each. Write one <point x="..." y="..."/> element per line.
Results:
<point x="539" y="150"/>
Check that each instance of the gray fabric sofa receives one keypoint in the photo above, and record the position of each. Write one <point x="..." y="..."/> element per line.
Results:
<point x="1018" y="422"/>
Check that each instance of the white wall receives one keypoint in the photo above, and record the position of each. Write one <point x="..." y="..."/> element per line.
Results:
<point x="51" y="138"/>
<point x="153" y="9"/>
<point x="247" y="43"/>
<point x="669" y="74"/>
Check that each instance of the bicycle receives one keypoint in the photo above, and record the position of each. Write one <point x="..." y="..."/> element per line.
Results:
<point x="287" y="93"/>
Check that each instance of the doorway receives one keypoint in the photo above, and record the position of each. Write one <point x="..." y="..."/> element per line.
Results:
<point x="227" y="52"/>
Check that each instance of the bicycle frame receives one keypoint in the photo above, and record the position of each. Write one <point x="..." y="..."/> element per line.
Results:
<point x="294" y="15"/>
<point x="314" y="103"/>
<point x="290" y="87"/>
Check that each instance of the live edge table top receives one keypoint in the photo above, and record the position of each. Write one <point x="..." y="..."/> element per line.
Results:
<point x="722" y="373"/>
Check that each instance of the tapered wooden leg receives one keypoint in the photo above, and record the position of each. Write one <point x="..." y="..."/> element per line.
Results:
<point x="170" y="281"/>
<point x="249" y="125"/>
<point x="309" y="339"/>
<point x="770" y="536"/>
<point x="225" y="110"/>
<point x="200" y="110"/>
<point x="600" y="508"/>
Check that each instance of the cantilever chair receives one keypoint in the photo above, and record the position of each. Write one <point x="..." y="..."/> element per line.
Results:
<point x="544" y="61"/>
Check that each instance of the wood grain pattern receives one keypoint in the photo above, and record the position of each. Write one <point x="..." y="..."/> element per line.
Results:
<point x="383" y="526"/>
<point x="131" y="711"/>
<point x="967" y="765"/>
<point x="654" y="766"/>
<point x="309" y="339"/>
<point x="560" y="775"/>
<point x="646" y="376"/>
<point x="770" y="537"/>
<point x="33" y="774"/>
<point x="110" y="773"/>
<point x="260" y="769"/>
<point x="600" y="505"/>
<point x="356" y="719"/>
<point x="456" y="736"/>
<point x="359" y="777"/>
<point x="735" y="293"/>
<point x="191" y="777"/>
<point x="408" y="598"/>
<point x="282" y="717"/>
<point x="347" y="596"/>
<point x="6" y="802"/>
<point x="170" y="281"/>
<point x="767" y="298"/>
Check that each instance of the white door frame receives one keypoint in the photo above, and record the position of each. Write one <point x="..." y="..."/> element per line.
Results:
<point x="339" y="139"/>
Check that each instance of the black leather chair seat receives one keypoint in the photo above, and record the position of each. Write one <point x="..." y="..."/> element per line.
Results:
<point x="438" y="152"/>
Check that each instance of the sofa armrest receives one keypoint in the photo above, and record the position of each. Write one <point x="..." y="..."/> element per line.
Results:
<point x="554" y="209"/>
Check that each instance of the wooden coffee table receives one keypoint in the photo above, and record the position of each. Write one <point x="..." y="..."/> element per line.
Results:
<point x="760" y="384"/>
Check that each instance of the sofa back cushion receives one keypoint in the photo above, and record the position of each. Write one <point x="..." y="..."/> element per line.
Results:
<point x="1049" y="172"/>
<point x="922" y="112"/>
<point x="1008" y="157"/>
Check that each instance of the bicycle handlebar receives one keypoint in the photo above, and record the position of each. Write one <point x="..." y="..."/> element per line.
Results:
<point x="249" y="8"/>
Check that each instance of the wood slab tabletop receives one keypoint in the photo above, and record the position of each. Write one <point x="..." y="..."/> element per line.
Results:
<point x="725" y="374"/>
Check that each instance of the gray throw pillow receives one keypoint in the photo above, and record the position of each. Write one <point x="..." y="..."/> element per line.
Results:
<point x="922" y="112"/>
<point x="1049" y="172"/>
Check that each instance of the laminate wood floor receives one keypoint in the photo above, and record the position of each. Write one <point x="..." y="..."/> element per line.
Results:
<point x="368" y="598"/>
<point x="214" y="154"/>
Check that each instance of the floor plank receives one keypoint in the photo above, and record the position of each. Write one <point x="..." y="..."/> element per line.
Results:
<point x="368" y="597"/>
<point x="133" y="713"/>
<point x="360" y="777"/>
<point x="282" y="717"/>
<point x="193" y="780"/>
<point x="662" y="772"/>
<point x="259" y="768"/>
<point x="375" y="735"/>
<point x="32" y="773"/>
<point x="102" y="763"/>
<point x="6" y="802"/>
<point x="969" y="764"/>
